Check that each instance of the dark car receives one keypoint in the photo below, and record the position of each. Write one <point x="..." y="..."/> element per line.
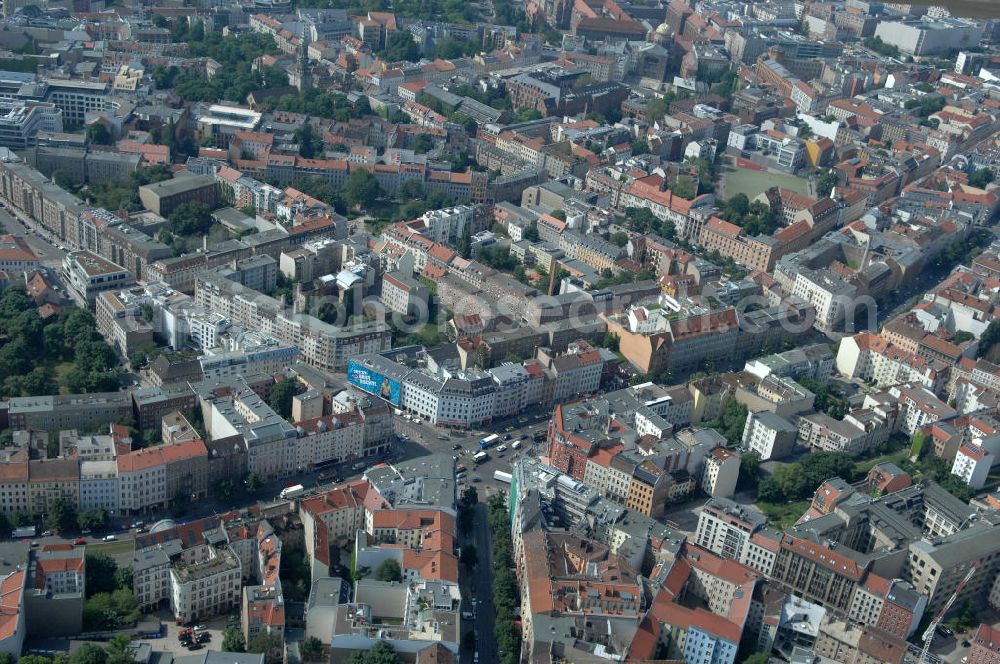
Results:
<point x="507" y="437"/>
<point x="456" y="446"/>
<point x="204" y="637"/>
<point x="195" y="646"/>
<point x="944" y="631"/>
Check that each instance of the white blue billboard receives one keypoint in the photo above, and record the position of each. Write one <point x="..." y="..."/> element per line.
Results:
<point x="373" y="382"/>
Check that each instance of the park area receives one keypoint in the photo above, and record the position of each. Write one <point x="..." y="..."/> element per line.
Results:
<point x="751" y="182"/>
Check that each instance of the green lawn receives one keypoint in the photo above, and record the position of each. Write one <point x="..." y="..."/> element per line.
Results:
<point x="112" y="548"/>
<point x="753" y="183"/>
<point x="862" y="467"/>
<point x="783" y="515"/>
<point x="60" y="370"/>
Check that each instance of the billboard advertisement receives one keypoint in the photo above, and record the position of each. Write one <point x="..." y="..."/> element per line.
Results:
<point x="373" y="382"/>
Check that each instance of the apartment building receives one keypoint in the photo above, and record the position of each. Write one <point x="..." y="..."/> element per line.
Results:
<point x="16" y="256"/>
<point x="768" y="435"/>
<point x="826" y="576"/>
<point x="330" y="438"/>
<point x="205" y="581"/>
<point x="122" y="327"/>
<point x="52" y="479"/>
<point x="720" y="473"/>
<point x="99" y="488"/>
<point x="155" y="477"/>
<point x="725" y="527"/>
<point x="404" y="294"/>
<point x="324" y="346"/>
<point x="87" y="274"/>
<point x="36" y="199"/>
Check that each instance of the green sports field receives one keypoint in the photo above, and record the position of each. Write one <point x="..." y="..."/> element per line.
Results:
<point x="753" y="183"/>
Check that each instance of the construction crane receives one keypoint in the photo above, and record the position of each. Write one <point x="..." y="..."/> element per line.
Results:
<point x="929" y="634"/>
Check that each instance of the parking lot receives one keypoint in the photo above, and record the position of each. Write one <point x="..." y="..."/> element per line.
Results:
<point x="170" y="642"/>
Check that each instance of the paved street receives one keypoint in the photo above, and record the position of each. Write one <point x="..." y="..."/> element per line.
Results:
<point x="48" y="254"/>
<point x="483" y="583"/>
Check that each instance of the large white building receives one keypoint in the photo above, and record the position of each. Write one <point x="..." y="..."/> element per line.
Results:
<point x="770" y="436"/>
<point x="870" y="357"/>
<point x="207" y="582"/>
<point x="99" y="488"/>
<point x="972" y="464"/>
<point x="721" y="471"/>
<point x="927" y="37"/>
<point x="725" y="527"/>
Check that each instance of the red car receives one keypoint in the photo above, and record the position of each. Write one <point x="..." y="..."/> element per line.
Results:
<point x="80" y="540"/>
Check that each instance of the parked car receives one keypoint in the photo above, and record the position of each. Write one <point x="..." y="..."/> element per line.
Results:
<point x="204" y="637"/>
<point x="195" y="646"/>
<point x="47" y="533"/>
<point x="456" y="446"/>
<point x="110" y="538"/>
<point x="79" y="541"/>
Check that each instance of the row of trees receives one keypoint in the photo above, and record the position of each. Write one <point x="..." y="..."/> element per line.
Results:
<point x="319" y="103"/>
<point x="114" y="196"/>
<point x="271" y="645"/>
<point x="115" y="652"/>
<point x="505" y="595"/>
<point x="989" y="342"/>
<point x="754" y="217"/>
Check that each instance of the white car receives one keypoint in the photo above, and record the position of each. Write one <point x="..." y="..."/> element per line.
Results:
<point x="501" y="449"/>
<point x="110" y="538"/>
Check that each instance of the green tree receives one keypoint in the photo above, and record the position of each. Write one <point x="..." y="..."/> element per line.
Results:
<point x="399" y="45"/>
<point x="619" y="238"/>
<point x="380" y="653"/>
<point x="281" y="397"/>
<point x="464" y="245"/>
<point x="311" y="649"/>
<point x="252" y="482"/>
<point x="981" y="177"/>
<point x="119" y="651"/>
<point x="423" y="143"/>
<point x="110" y="611"/>
<point x="61" y="515"/>
<point x="989" y="339"/>
<point x="470" y="496"/>
<point x="757" y="658"/>
<point x="101" y="570"/>
<point x="309" y="143"/>
<point x="527" y="115"/>
<point x="361" y="189"/>
<point x="530" y="233"/>
<point x="268" y="644"/>
<point x="190" y="219"/>
<point x="124" y="578"/>
<point x="92" y="519"/>
<point x="826" y="182"/>
<point x="389" y="570"/>
<point x="749" y="470"/>
<point x="232" y="640"/>
<point x="89" y="653"/>
<point x="961" y="337"/>
<point x="98" y="134"/>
